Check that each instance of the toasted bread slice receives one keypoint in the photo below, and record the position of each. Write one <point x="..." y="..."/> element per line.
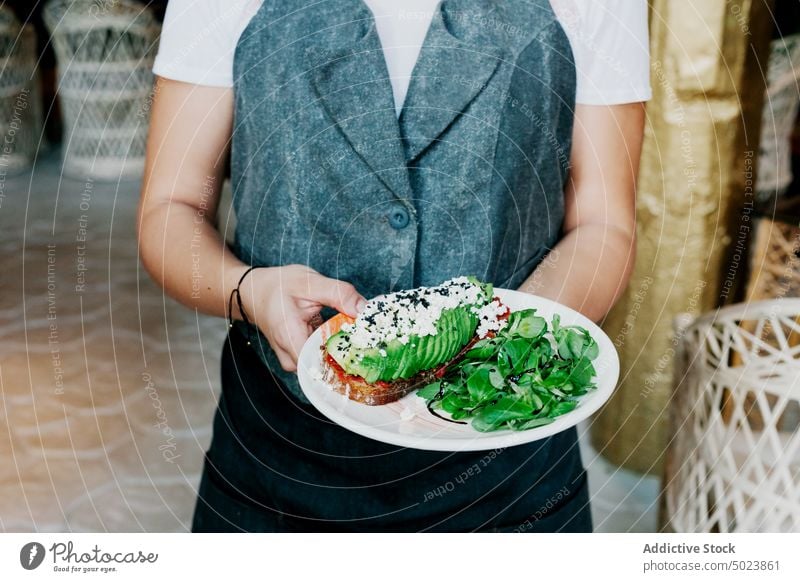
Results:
<point x="381" y="392"/>
<point x="358" y="389"/>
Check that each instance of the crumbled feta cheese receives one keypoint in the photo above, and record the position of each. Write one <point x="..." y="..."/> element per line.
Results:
<point x="488" y="318"/>
<point x="414" y="312"/>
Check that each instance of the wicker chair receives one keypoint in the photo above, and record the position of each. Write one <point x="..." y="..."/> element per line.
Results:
<point x="105" y="52"/>
<point x="733" y="464"/>
<point x="20" y="102"/>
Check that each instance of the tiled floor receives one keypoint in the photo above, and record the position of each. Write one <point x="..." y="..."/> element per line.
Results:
<point x="622" y="501"/>
<point x="108" y="387"/>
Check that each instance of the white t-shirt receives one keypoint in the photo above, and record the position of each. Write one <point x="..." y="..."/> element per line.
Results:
<point x="609" y="39"/>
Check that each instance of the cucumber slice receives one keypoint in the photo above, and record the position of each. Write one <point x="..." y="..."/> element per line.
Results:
<point x="338" y="346"/>
<point x="367" y="363"/>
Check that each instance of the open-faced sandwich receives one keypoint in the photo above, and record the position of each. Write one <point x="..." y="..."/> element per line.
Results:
<point x="407" y="339"/>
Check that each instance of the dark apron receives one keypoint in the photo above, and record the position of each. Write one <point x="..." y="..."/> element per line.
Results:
<point x="469" y="180"/>
<point x="277" y="465"/>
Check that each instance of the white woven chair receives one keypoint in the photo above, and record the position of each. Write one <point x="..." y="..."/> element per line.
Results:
<point x="733" y="464"/>
<point x="20" y="101"/>
<point x="105" y="52"/>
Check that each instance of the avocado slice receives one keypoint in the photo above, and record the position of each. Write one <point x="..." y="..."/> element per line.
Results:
<point x="423" y="350"/>
<point x="455" y="328"/>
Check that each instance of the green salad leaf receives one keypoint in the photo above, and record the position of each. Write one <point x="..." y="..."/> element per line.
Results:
<point x="526" y="376"/>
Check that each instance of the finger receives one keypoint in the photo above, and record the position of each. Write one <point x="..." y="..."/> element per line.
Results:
<point x="286" y="361"/>
<point x="340" y="295"/>
<point x="296" y="334"/>
<point x="282" y="344"/>
<point x="292" y="335"/>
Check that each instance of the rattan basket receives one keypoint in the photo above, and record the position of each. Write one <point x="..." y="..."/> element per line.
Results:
<point x="774" y="274"/>
<point x="775" y="260"/>
<point x="20" y="102"/>
<point x="105" y="52"/>
<point x="725" y="471"/>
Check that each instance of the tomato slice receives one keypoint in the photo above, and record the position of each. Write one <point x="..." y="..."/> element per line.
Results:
<point x="345" y="377"/>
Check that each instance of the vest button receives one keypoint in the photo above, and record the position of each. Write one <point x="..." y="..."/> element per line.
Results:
<point x="398" y="217"/>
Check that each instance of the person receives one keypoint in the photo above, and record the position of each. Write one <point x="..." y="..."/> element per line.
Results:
<point x="376" y="146"/>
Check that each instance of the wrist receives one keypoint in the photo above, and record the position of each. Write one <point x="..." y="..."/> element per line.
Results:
<point x="238" y="281"/>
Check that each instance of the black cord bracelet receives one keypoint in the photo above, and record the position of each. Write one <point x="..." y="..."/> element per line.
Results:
<point x="239" y="304"/>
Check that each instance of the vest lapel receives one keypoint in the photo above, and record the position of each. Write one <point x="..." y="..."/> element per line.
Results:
<point x="449" y="74"/>
<point x="353" y="84"/>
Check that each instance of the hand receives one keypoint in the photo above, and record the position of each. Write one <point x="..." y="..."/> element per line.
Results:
<point x="284" y="302"/>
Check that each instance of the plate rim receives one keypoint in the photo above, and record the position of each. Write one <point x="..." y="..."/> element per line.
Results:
<point x="482" y="441"/>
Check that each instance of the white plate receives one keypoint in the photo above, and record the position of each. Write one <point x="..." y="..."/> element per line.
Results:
<point x="408" y="423"/>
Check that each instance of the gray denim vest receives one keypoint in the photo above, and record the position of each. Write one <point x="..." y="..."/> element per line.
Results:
<point x="468" y="181"/>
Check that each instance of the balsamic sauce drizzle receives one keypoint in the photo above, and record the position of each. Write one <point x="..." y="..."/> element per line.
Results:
<point x="439" y="396"/>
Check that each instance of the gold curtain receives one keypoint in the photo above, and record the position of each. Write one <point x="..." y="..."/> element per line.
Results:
<point x="695" y="197"/>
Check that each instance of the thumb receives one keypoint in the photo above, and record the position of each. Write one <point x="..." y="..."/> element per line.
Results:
<point x="340" y="295"/>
